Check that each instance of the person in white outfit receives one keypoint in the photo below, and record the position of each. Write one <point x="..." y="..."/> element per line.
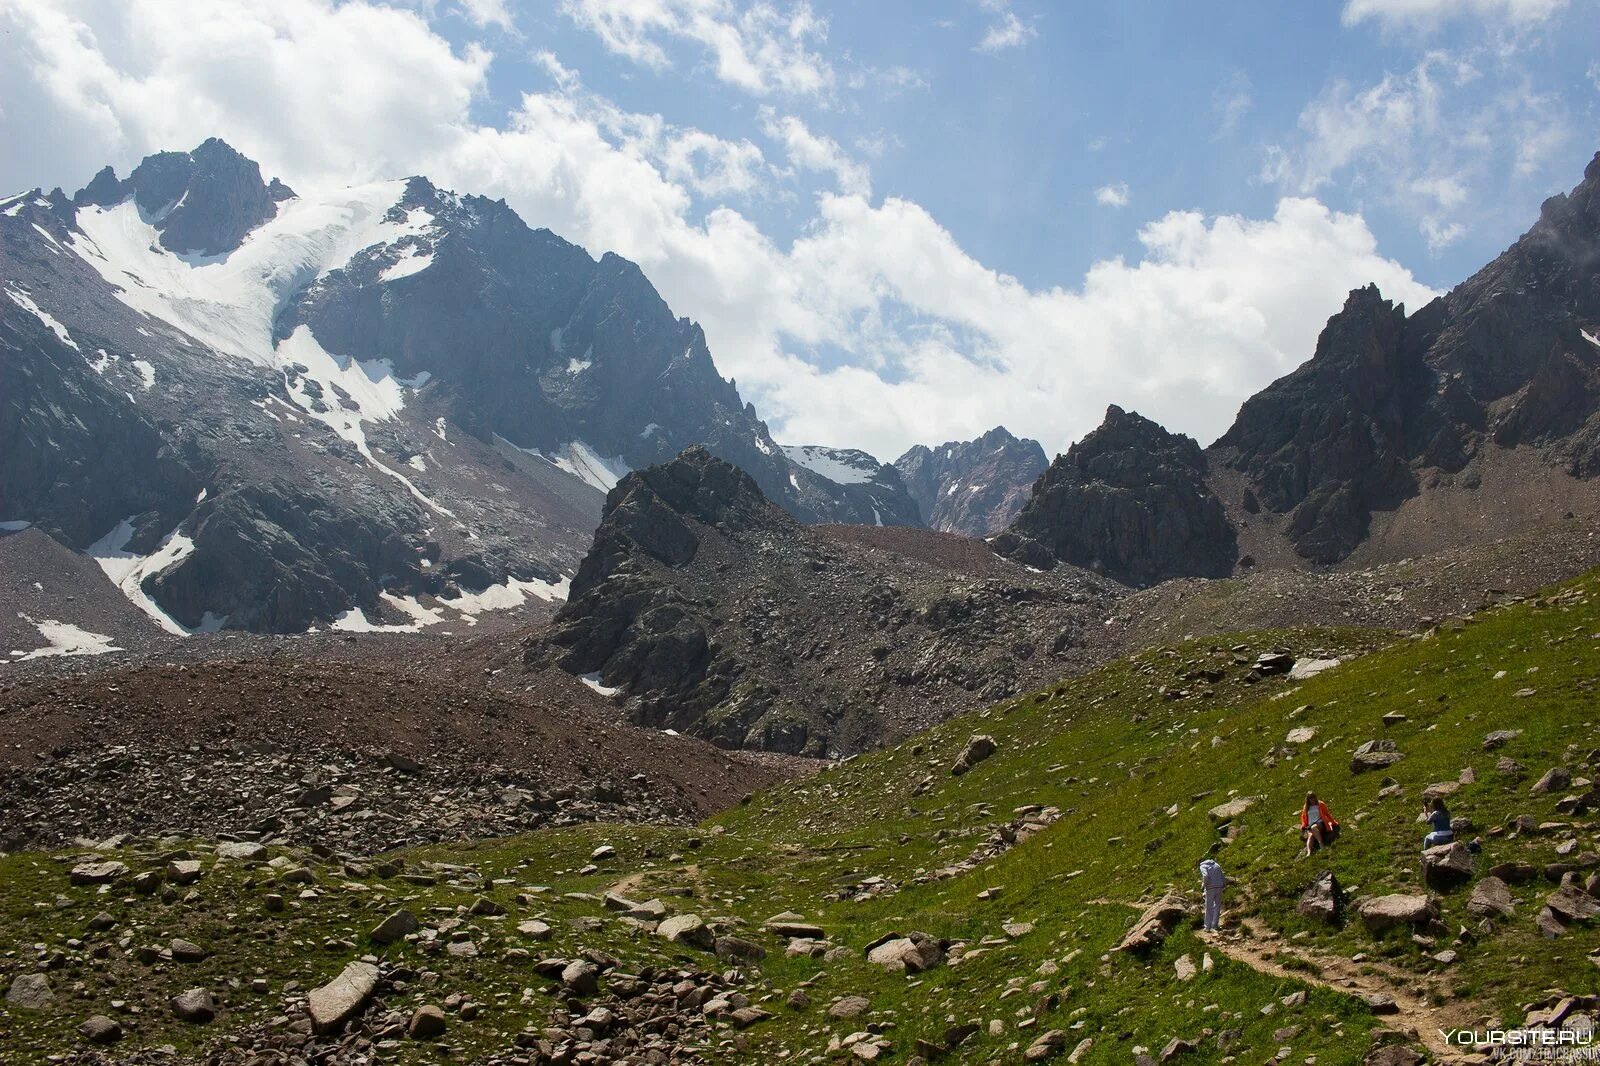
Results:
<point x="1212" y="881"/>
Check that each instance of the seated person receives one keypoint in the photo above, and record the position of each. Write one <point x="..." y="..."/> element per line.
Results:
<point x="1316" y="824"/>
<point x="1439" y="823"/>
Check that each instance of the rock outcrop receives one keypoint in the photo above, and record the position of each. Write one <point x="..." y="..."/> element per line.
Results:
<point x="717" y="614"/>
<point x="1129" y="501"/>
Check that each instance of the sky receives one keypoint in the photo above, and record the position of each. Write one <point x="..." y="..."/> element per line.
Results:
<point x="899" y="221"/>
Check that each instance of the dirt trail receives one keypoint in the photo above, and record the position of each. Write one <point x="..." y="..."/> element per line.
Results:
<point x="633" y="881"/>
<point x="1258" y="947"/>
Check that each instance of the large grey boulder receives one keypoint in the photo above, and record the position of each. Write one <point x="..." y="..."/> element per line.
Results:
<point x="30" y="991"/>
<point x="1491" y="898"/>
<point x="1381" y="913"/>
<point x="333" y="1004"/>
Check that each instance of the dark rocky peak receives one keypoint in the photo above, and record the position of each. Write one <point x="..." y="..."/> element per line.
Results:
<point x="203" y="202"/>
<point x="1330" y="442"/>
<point x="656" y="511"/>
<point x="1129" y="501"/>
<point x="974" y="487"/>
<point x="1126" y="447"/>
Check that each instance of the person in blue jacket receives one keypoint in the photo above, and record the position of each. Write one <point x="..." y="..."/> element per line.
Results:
<point x="1439" y="823"/>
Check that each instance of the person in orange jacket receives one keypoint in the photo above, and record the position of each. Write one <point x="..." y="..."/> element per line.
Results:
<point x="1316" y="824"/>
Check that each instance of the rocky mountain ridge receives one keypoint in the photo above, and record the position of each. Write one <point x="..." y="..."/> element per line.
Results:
<point x="382" y="407"/>
<point x="973" y="487"/>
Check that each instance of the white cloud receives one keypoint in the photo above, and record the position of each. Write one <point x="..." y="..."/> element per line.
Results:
<point x="812" y="151"/>
<point x="760" y="47"/>
<point x="1112" y="195"/>
<point x="922" y="341"/>
<point x="325" y="92"/>
<point x="1433" y="142"/>
<point x="485" y="13"/>
<point x="1007" y="30"/>
<point x="1429" y="14"/>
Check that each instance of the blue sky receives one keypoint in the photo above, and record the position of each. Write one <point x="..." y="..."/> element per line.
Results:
<point x="898" y="221"/>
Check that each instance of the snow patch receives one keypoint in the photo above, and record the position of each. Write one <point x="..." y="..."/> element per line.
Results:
<point x="512" y="593"/>
<point x="1590" y="337"/>
<point x="837" y="465"/>
<point x="593" y="681"/>
<point x="416" y="463"/>
<point x="147" y="372"/>
<point x="128" y="571"/>
<point x="644" y="433"/>
<point x="46" y="235"/>
<point x="24" y="301"/>
<point x="14" y="526"/>
<point x="578" y="366"/>
<point x="583" y="463"/>
<point x="65" y="639"/>
<point x="412" y="261"/>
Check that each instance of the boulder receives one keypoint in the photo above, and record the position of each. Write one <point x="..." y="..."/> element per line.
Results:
<point x="427" y="1023"/>
<point x="688" y="930"/>
<point x="1374" y="755"/>
<point x="333" y="1004"/>
<point x="581" y="977"/>
<point x="911" y="953"/>
<point x="30" y="991"/>
<point x="99" y="1029"/>
<point x="1447" y="865"/>
<point x="1380" y="913"/>
<point x="849" y="1007"/>
<point x="241" y="851"/>
<point x="1572" y="904"/>
<point x="1159" y="919"/>
<point x="1224" y="813"/>
<point x="195" y="1006"/>
<point x="1322" y="898"/>
<point x="979" y="748"/>
<point x="534" y="929"/>
<point x="186" y="951"/>
<point x="1554" y="780"/>
<point x="738" y="949"/>
<point x="395" y="927"/>
<point x="1491" y="898"/>
<point x="1048" y="1045"/>
<point x="98" y="873"/>
<point x="183" y="871"/>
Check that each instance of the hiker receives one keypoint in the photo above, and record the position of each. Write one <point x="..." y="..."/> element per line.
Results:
<point x="1316" y="825"/>
<point x="1439" y="821"/>
<point x="1212" y="880"/>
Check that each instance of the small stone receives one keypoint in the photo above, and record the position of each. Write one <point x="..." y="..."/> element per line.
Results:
<point x="849" y="1007"/>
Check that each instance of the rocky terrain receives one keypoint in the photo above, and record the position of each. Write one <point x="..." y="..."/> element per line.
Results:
<point x="1129" y="501"/>
<point x="717" y="614"/>
<point x="975" y="487"/>
<point x="1014" y="885"/>
<point x="364" y="755"/>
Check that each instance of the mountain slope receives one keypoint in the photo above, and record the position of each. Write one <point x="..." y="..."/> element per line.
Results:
<point x="973" y="487"/>
<point x="858" y="488"/>
<point x="717" y="614"/>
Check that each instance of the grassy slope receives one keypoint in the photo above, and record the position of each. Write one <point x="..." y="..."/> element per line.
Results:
<point x="1107" y="748"/>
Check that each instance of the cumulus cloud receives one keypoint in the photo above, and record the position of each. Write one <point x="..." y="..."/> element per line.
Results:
<point x="1007" y="30"/>
<point x="875" y="328"/>
<point x="1429" y="14"/>
<point x="812" y="151"/>
<point x="762" y="48"/>
<point x="1112" y="195"/>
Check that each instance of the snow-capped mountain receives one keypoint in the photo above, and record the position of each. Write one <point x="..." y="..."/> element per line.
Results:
<point x="974" y="487"/>
<point x="382" y="405"/>
<point x="851" y="485"/>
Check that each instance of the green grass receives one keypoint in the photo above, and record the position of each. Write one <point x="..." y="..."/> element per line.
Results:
<point x="1108" y="749"/>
